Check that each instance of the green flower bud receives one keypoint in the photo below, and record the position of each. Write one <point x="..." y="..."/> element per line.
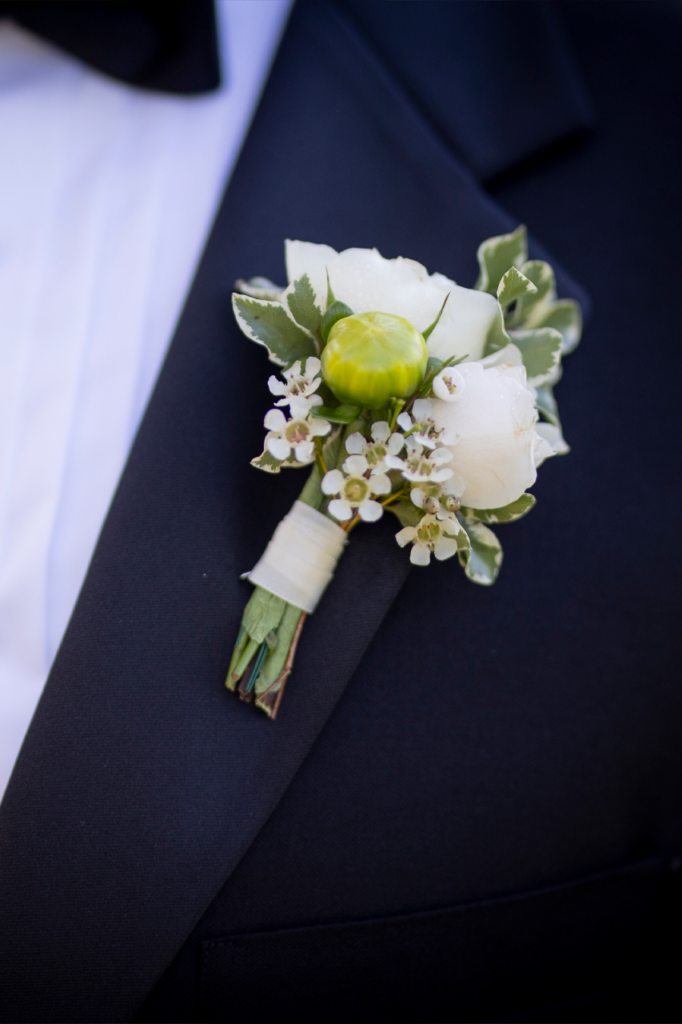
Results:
<point x="370" y="358"/>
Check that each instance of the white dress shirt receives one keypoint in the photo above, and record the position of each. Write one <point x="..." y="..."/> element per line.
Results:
<point x="107" y="194"/>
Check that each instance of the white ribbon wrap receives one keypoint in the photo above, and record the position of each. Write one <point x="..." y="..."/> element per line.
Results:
<point x="299" y="561"/>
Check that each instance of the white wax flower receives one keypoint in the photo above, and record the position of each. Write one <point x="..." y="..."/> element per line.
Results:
<point x="382" y="444"/>
<point x="449" y="384"/>
<point x="298" y="389"/>
<point x="433" y="534"/>
<point x="296" y="434"/>
<point x="494" y="424"/>
<point x="368" y="283"/>
<point x="355" y="488"/>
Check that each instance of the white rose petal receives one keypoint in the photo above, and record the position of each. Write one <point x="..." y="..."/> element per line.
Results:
<point x="495" y="423"/>
<point x="367" y="282"/>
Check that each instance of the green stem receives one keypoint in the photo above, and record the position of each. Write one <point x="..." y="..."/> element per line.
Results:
<point x="319" y="457"/>
<point x="243" y="661"/>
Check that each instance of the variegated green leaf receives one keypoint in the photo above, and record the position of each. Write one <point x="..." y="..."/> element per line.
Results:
<point x="565" y="316"/>
<point x="546" y="403"/>
<point x="541" y="352"/>
<point x="515" y="510"/>
<point x="496" y="255"/>
<point x="300" y="299"/>
<point x="259" y="288"/>
<point x="482" y="561"/>
<point x="269" y="464"/>
<point x="497" y="335"/>
<point x="542" y="276"/>
<point x="513" y="285"/>
<point x="268" y="324"/>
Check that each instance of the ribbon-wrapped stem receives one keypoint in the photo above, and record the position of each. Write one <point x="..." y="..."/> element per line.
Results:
<point x="289" y="579"/>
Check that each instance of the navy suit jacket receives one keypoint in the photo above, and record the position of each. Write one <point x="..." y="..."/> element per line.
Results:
<point x="469" y="807"/>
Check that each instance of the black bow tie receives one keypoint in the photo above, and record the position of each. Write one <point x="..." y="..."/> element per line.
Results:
<point x="169" y="46"/>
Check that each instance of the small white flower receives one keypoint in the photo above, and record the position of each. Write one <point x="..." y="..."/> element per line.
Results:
<point x="355" y="488"/>
<point x="433" y="534"/>
<point x="423" y="467"/>
<point x="298" y="389"/>
<point x="295" y="434"/>
<point x="449" y="384"/>
<point x="383" y="443"/>
<point x="419" y="425"/>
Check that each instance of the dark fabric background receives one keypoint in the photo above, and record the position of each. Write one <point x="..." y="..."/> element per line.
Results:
<point x="495" y="741"/>
<point x="488" y="825"/>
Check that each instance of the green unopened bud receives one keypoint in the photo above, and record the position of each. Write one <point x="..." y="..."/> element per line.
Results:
<point x="373" y="357"/>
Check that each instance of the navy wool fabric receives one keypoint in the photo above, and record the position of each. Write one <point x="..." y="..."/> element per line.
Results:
<point x="469" y="808"/>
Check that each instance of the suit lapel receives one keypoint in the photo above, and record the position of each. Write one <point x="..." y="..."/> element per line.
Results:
<point x="141" y="782"/>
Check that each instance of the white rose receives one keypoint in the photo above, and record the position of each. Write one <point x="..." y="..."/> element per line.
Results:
<point x="496" y="441"/>
<point x="368" y="283"/>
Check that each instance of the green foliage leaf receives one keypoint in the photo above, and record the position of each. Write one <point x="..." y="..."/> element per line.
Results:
<point x="540" y="350"/>
<point x="262" y="614"/>
<point x="482" y="560"/>
<point x="496" y="255"/>
<point x="406" y="513"/>
<point x="431" y="328"/>
<point x="268" y="324"/>
<point x="339" y="414"/>
<point x="336" y="311"/>
<point x="301" y="302"/>
<point x="565" y="316"/>
<point x="515" y="510"/>
<point x="512" y="286"/>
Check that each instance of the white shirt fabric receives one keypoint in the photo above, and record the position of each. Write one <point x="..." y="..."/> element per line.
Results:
<point x="107" y="194"/>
